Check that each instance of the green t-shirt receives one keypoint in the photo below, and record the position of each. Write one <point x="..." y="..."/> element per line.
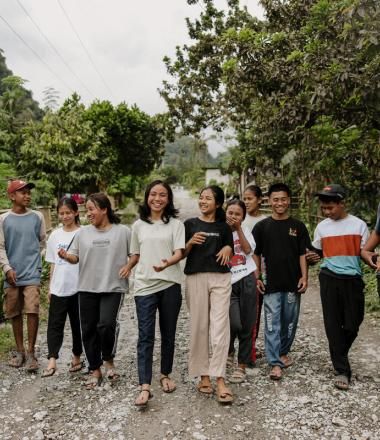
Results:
<point x="155" y="242"/>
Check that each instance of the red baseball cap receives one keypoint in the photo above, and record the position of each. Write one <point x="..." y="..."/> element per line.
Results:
<point x="16" y="185"/>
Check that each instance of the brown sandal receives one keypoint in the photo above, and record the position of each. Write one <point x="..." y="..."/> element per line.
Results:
<point x="170" y="384"/>
<point x="143" y="402"/>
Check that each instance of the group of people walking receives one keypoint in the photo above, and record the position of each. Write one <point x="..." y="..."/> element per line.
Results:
<point x="236" y="261"/>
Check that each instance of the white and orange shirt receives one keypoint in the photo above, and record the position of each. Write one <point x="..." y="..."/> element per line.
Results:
<point x="341" y="242"/>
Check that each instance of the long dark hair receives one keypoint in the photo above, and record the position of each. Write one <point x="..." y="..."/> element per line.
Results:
<point x="239" y="203"/>
<point x="72" y="205"/>
<point x="103" y="202"/>
<point x="256" y="190"/>
<point x="169" y="211"/>
<point x="220" y="215"/>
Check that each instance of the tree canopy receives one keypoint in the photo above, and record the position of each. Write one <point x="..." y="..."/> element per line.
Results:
<point x="301" y="89"/>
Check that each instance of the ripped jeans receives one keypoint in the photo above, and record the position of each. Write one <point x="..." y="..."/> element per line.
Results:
<point x="281" y="311"/>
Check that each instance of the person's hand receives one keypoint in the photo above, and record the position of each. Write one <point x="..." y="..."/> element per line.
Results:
<point x="49" y="296"/>
<point x="125" y="271"/>
<point x="234" y="224"/>
<point x="62" y="254"/>
<point x="302" y="285"/>
<point x="198" y="238"/>
<point x="223" y="256"/>
<point x="164" y="264"/>
<point x="260" y="286"/>
<point x="312" y="257"/>
<point x="11" y="277"/>
<point x="369" y="257"/>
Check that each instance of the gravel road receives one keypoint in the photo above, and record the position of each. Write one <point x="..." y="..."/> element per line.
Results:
<point x="304" y="405"/>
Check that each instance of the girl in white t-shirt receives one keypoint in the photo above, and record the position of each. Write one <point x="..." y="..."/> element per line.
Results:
<point x="157" y="244"/>
<point x="243" y="296"/>
<point x="63" y="295"/>
<point x="253" y="197"/>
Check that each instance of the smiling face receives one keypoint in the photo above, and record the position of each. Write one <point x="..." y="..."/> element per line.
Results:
<point x="67" y="216"/>
<point x="207" y="204"/>
<point x="235" y="213"/>
<point x="21" y="198"/>
<point x="252" y="202"/>
<point x="96" y="216"/>
<point x="158" y="199"/>
<point x="280" y="202"/>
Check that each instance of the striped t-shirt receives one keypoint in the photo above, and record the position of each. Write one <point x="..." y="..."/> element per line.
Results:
<point x="340" y="242"/>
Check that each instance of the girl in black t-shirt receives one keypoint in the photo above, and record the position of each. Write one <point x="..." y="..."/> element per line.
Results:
<point x="209" y="247"/>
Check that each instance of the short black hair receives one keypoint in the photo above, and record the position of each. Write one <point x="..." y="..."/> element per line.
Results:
<point x="328" y="199"/>
<point x="277" y="187"/>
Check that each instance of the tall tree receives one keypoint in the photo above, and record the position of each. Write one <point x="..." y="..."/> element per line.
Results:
<point x="301" y="88"/>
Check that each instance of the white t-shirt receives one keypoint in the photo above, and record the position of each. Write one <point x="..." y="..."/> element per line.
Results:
<point x="250" y="221"/>
<point x="155" y="242"/>
<point x="64" y="281"/>
<point x="242" y="264"/>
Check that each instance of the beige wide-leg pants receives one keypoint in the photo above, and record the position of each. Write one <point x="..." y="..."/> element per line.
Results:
<point x="208" y="299"/>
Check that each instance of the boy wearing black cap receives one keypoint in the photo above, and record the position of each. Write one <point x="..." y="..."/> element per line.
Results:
<point x="340" y="238"/>
<point x="22" y="234"/>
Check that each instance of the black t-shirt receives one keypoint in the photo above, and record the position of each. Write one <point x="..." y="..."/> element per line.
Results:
<point x="202" y="257"/>
<point x="281" y="243"/>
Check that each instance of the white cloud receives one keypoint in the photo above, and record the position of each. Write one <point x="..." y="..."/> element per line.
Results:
<point x="126" y="39"/>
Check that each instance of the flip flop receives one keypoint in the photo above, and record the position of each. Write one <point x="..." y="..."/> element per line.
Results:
<point x="48" y="372"/>
<point x="17" y="360"/>
<point x="111" y="375"/>
<point x="225" y="397"/>
<point x="275" y="376"/>
<point x="74" y="368"/>
<point x="169" y="381"/>
<point x="288" y="362"/>
<point x="342" y="382"/>
<point x="92" y="382"/>
<point x="238" y="376"/>
<point x="144" y="403"/>
<point x="31" y="363"/>
<point x="205" y="389"/>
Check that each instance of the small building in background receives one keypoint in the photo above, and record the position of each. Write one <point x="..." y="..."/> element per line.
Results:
<point x="214" y="175"/>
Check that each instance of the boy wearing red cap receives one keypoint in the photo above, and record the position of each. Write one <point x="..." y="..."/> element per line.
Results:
<point x="339" y="239"/>
<point x="22" y="235"/>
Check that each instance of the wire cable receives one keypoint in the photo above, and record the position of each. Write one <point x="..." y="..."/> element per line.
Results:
<point x="36" y="55"/>
<point x="54" y="49"/>
<point x="84" y="48"/>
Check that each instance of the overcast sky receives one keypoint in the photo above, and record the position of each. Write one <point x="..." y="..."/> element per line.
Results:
<point x="125" y="39"/>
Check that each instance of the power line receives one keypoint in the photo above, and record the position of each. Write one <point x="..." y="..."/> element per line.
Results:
<point x="84" y="48"/>
<point x="55" y="50"/>
<point x="36" y="54"/>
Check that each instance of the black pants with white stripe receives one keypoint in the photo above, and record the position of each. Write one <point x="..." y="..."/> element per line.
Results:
<point x="59" y="308"/>
<point x="99" y="325"/>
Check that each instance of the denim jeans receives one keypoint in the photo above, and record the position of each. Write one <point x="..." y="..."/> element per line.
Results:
<point x="168" y="303"/>
<point x="281" y="310"/>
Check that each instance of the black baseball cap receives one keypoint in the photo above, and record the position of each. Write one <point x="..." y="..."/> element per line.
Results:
<point x="333" y="190"/>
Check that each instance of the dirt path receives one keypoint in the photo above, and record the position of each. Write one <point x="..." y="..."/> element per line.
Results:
<point x="304" y="405"/>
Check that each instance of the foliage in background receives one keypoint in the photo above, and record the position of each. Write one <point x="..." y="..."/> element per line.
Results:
<point x="301" y="90"/>
<point x="185" y="161"/>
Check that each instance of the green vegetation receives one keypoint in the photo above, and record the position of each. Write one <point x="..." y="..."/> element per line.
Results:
<point x="74" y="148"/>
<point x="300" y="89"/>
